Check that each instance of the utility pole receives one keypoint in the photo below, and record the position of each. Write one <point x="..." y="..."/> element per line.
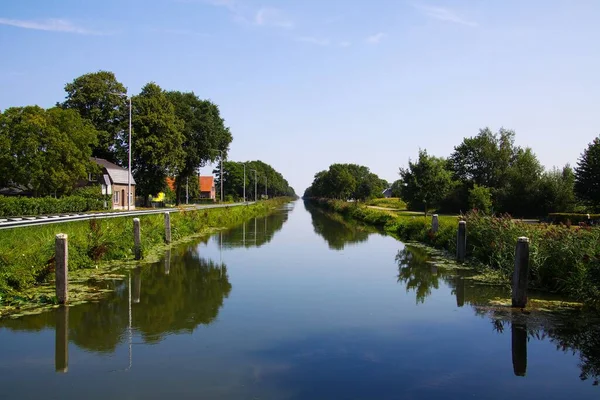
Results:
<point x="129" y="162"/>
<point x="255" y="186"/>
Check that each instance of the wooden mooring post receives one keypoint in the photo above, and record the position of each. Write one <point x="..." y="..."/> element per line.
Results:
<point x="461" y="242"/>
<point x="521" y="273"/>
<point x="435" y="223"/>
<point x="137" y="239"/>
<point x="167" y="227"/>
<point x="61" y="268"/>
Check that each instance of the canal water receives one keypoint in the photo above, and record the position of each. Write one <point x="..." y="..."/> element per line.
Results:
<point x="297" y="305"/>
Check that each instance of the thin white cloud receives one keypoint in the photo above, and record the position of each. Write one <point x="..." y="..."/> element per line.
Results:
<point x="345" y="43"/>
<point x="273" y="17"/>
<point x="314" y="40"/>
<point x="51" y="25"/>
<point x="376" y="38"/>
<point x="444" y="14"/>
<point x="184" y="32"/>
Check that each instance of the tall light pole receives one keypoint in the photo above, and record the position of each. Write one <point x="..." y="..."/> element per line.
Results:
<point x="128" y="151"/>
<point x="244" y="182"/>
<point x="129" y="161"/>
<point x="266" y="195"/>
<point x="255" y="185"/>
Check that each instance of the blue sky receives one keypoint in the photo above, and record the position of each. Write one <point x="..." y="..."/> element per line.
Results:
<point x="303" y="84"/>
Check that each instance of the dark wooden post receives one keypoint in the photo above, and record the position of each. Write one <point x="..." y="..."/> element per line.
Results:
<point x="61" y="343"/>
<point x="521" y="273"/>
<point x="461" y="241"/>
<point x="137" y="239"/>
<point x="167" y="227"/>
<point x="435" y="224"/>
<point x="61" y="268"/>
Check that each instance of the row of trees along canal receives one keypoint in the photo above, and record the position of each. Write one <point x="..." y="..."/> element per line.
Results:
<point x="487" y="172"/>
<point x="47" y="151"/>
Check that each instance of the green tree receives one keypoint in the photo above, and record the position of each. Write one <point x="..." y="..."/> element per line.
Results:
<point x="480" y="198"/>
<point x="425" y="182"/>
<point x="100" y="98"/>
<point x="233" y="183"/>
<point x="48" y="151"/>
<point x="587" y="175"/>
<point x="157" y="141"/>
<point x="396" y="188"/>
<point x="346" y="181"/>
<point x="520" y="195"/>
<point x="204" y="132"/>
<point x="557" y="190"/>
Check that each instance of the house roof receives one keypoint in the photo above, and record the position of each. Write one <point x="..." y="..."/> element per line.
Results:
<point x="171" y="183"/>
<point x="206" y="183"/>
<point x="116" y="173"/>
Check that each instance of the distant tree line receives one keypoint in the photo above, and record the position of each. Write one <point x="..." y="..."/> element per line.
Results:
<point x="233" y="180"/>
<point x="47" y="151"/>
<point x="490" y="173"/>
<point x="346" y="181"/>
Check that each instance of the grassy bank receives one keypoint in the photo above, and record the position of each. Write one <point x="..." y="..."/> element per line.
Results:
<point x="563" y="259"/>
<point x="27" y="254"/>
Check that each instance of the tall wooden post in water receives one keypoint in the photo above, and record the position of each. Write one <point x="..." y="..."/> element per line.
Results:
<point x="167" y="227"/>
<point x="61" y="268"/>
<point x="521" y="273"/>
<point x="461" y="241"/>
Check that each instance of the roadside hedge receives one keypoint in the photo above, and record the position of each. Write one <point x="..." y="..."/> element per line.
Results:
<point x="572" y="218"/>
<point x="25" y="206"/>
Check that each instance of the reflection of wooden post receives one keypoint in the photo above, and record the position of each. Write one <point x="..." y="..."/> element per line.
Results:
<point x="460" y="292"/>
<point x="167" y="227"/>
<point x="519" y="348"/>
<point x="167" y="261"/>
<point x="137" y="239"/>
<point x="435" y="224"/>
<point x="521" y="273"/>
<point x="461" y="241"/>
<point x="61" y="267"/>
<point x="137" y="285"/>
<point x="61" y="343"/>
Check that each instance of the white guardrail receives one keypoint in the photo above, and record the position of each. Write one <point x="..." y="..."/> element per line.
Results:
<point x="17" y="222"/>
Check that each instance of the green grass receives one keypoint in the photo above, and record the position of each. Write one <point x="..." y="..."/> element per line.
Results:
<point x="27" y="253"/>
<point x="392" y="202"/>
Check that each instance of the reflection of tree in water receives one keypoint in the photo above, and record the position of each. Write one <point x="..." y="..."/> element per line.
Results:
<point x="416" y="272"/>
<point x="570" y="331"/>
<point x="336" y="231"/>
<point x="254" y="232"/>
<point x="191" y="294"/>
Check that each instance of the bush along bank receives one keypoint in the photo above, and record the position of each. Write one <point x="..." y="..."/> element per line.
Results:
<point x="27" y="254"/>
<point x="563" y="259"/>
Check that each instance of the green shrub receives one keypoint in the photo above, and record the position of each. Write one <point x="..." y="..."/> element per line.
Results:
<point x="480" y="198"/>
<point x="19" y="206"/>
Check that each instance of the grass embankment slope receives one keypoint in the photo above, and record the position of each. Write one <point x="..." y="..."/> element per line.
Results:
<point x="27" y="253"/>
<point x="563" y="259"/>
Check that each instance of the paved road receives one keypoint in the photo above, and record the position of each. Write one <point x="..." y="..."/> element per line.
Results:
<point x="7" y="223"/>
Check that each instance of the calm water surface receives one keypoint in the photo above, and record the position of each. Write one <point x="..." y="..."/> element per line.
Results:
<point x="298" y="305"/>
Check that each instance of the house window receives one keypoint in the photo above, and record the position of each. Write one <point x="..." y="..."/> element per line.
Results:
<point x="116" y="197"/>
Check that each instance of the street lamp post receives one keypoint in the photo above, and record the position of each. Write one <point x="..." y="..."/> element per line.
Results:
<point x="255" y="185"/>
<point x="244" y="182"/>
<point x="128" y="152"/>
